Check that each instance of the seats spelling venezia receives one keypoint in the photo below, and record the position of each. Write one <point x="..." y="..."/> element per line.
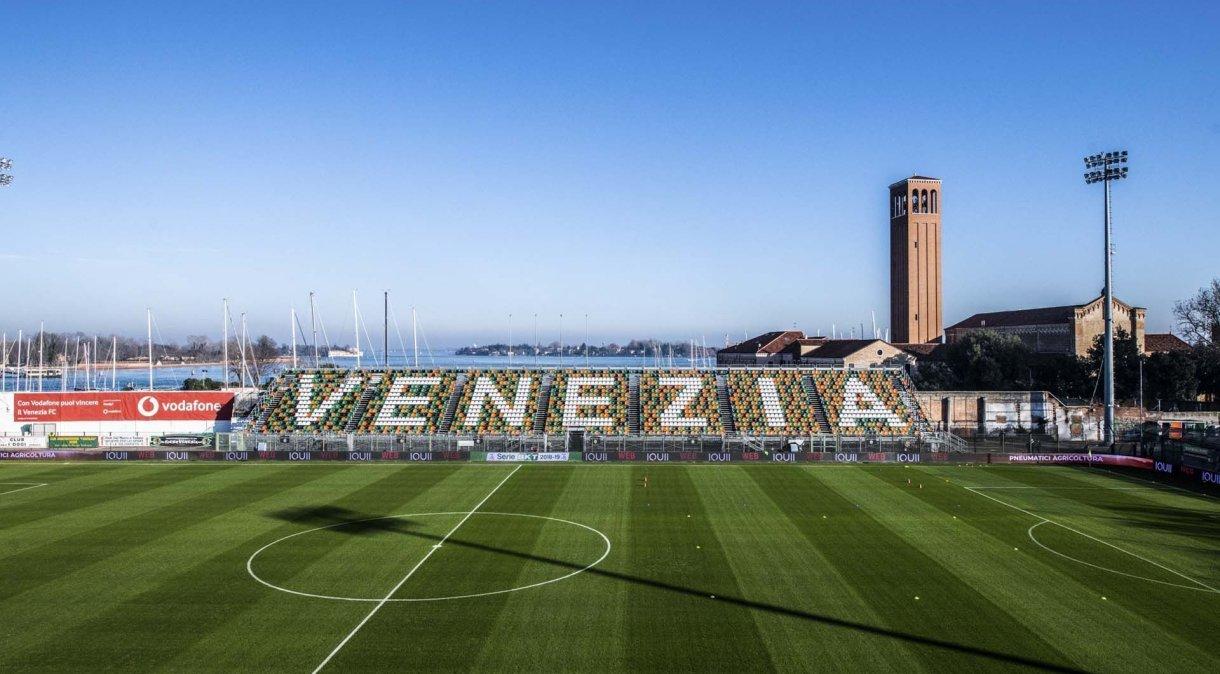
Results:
<point x="782" y="402"/>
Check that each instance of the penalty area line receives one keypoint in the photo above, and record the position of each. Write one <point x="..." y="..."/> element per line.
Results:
<point x="28" y="485"/>
<point x="410" y="573"/>
<point x="1179" y="574"/>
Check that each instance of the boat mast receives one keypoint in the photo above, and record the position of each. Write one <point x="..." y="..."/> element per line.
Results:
<point x="150" y="351"/>
<point x="356" y="326"/>
<point x="292" y="331"/>
<point x="415" y="335"/>
<point x="225" y="341"/>
<point x="313" y="325"/>
<point x="41" y="362"/>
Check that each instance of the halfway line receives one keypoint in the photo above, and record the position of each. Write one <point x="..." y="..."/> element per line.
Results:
<point x="410" y="573"/>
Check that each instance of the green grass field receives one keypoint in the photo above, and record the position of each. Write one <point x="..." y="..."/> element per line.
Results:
<point x="709" y="567"/>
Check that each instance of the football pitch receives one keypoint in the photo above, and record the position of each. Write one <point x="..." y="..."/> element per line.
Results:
<point x="301" y="567"/>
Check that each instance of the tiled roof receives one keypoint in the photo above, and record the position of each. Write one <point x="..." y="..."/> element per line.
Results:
<point x="768" y="342"/>
<point x="841" y="348"/>
<point x="1043" y="316"/>
<point x="1163" y="342"/>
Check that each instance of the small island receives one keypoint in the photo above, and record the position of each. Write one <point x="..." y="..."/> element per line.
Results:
<point x="634" y="348"/>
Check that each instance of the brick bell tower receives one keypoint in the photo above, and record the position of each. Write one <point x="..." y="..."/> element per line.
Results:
<point x="915" y="291"/>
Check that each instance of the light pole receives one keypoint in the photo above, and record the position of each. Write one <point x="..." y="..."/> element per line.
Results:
<point x="1104" y="168"/>
<point x="6" y="164"/>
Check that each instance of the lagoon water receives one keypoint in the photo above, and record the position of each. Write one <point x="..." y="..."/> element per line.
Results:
<point x="170" y="377"/>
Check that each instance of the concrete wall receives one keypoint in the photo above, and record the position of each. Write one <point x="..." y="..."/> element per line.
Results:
<point x="991" y="412"/>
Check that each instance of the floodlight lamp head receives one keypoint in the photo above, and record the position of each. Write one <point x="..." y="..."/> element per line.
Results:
<point x="5" y="179"/>
<point x="5" y="163"/>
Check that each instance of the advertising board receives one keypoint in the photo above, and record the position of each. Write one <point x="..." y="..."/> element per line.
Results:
<point x="123" y="406"/>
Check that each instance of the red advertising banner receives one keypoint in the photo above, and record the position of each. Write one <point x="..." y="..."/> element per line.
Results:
<point x="123" y="406"/>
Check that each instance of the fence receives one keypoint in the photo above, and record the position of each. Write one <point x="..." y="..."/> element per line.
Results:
<point x="926" y="442"/>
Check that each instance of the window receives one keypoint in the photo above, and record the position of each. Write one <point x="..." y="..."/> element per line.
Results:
<point x="923" y="207"/>
<point x="935" y="206"/>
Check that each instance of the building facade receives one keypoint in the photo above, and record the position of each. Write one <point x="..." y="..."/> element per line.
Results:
<point x="916" y="307"/>
<point x="793" y="347"/>
<point x="1066" y="330"/>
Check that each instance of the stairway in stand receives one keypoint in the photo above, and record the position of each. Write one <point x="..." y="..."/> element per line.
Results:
<point x="725" y="404"/>
<point x="544" y="403"/>
<point x="264" y="413"/>
<point x="905" y="386"/>
<point x="633" y="403"/>
<point x="362" y="405"/>
<point x="451" y="406"/>
<point x="815" y="401"/>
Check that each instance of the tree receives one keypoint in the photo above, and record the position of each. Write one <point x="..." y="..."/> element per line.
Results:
<point x="990" y="361"/>
<point x="1207" y="370"/>
<point x="1126" y="364"/>
<point x="1199" y="316"/>
<point x="205" y="384"/>
<point x="1169" y="377"/>
<point x="1063" y="374"/>
<point x="264" y="351"/>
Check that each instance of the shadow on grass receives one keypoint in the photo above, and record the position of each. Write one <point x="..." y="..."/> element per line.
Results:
<point x="1192" y="523"/>
<point x="343" y="520"/>
<point x="358" y="523"/>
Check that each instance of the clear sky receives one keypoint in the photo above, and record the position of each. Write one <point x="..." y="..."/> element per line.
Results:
<point x="671" y="169"/>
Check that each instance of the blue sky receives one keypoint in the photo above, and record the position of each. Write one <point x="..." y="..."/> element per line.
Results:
<point x="671" y="169"/>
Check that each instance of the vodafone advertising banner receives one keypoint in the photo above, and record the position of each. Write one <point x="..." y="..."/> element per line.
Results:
<point x="123" y="406"/>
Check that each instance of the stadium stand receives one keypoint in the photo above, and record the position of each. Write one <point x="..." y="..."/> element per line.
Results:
<point x="752" y="402"/>
<point x="497" y="402"/>
<point x="408" y="402"/>
<point x="679" y="402"/>
<point x="770" y="402"/>
<point x="595" y="400"/>
<point x="319" y="401"/>
<point x="864" y="402"/>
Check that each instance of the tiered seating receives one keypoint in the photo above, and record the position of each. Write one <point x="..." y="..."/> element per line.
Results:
<point x="497" y="402"/>
<point x="770" y="402"/>
<point x="600" y="405"/>
<point x="410" y="402"/>
<point x="317" y="401"/>
<point x="765" y="402"/>
<point x="863" y="402"/>
<point x="696" y="414"/>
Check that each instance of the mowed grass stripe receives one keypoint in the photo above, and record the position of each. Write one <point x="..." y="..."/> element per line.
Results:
<point x="589" y="606"/>
<point x="1182" y="616"/>
<point x="142" y="552"/>
<point x="484" y="552"/>
<point x="83" y="490"/>
<point x="672" y="621"/>
<point x="1177" y="529"/>
<point x="310" y="628"/>
<point x="198" y="581"/>
<point x="988" y="549"/>
<point x="1183" y="537"/>
<point x="775" y="564"/>
<point x="84" y="540"/>
<point x="891" y="569"/>
<point x="365" y="557"/>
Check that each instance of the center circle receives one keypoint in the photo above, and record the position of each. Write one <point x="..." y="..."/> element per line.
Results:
<point x="250" y="563"/>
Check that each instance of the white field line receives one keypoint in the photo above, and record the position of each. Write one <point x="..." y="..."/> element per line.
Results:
<point x="28" y="485"/>
<point x="1154" y="482"/>
<point x="1053" y="551"/>
<point x="1094" y="538"/>
<point x="410" y="573"/>
<point x="1098" y="487"/>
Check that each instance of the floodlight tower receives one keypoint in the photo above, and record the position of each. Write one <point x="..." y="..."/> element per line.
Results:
<point x="1105" y="168"/>
<point x="6" y="164"/>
